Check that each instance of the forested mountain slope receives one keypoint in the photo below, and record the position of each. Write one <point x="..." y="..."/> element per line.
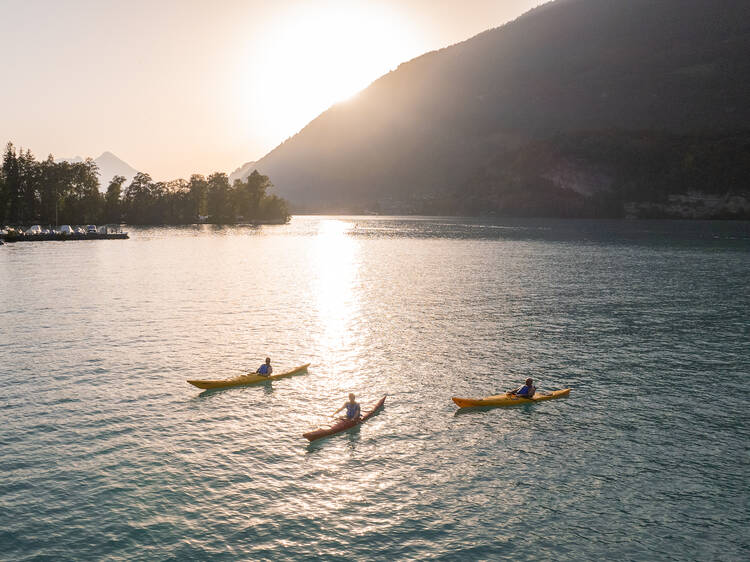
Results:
<point x="522" y="117"/>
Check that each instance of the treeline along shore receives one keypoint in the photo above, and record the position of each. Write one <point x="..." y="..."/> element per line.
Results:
<point x="50" y="192"/>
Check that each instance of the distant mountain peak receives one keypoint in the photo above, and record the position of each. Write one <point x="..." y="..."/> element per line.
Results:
<point x="109" y="166"/>
<point x="242" y="172"/>
<point x="73" y="160"/>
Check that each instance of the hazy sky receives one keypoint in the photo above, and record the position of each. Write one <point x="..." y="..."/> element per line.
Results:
<point x="176" y="87"/>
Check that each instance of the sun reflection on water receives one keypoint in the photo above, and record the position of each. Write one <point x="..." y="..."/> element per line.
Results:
<point x="337" y="262"/>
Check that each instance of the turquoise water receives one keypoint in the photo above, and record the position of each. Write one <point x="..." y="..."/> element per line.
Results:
<point x="108" y="453"/>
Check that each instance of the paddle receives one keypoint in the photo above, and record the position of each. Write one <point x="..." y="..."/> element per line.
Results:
<point x="536" y="393"/>
<point x="251" y="372"/>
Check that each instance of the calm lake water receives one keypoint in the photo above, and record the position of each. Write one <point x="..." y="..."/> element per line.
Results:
<point x="107" y="453"/>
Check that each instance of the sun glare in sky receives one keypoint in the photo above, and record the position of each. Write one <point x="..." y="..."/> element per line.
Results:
<point x="317" y="54"/>
<point x="177" y="87"/>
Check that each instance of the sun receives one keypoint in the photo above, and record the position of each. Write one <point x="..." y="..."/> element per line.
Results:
<point x="313" y="55"/>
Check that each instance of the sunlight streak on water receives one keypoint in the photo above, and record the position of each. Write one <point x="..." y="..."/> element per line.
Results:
<point x="338" y="303"/>
<point x="107" y="452"/>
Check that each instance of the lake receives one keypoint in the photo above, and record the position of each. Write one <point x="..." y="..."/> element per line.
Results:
<point x="108" y="453"/>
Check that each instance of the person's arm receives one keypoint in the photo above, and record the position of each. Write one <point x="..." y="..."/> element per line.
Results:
<point x="337" y="411"/>
<point x="514" y="391"/>
<point x="270" y="370"/>
<point x="532" y="391"/>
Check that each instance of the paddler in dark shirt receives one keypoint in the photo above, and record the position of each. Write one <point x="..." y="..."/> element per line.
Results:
<point x="265" y="369"/>
<point x="352" y="409"/>
<point x="525" y="391"/>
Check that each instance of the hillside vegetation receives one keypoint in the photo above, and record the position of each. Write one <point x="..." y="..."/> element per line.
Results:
<point x="577" y="108"/>
<point x="51" y="193"/>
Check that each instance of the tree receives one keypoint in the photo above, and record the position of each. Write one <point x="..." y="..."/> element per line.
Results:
<point x="198" y="188"/>
<point x="112" y="203"/>
<point x="83" y="202"/>
<point x="219" y="200"/>
<point x="12" y="184"/>
<point x="138" y="199"/>
<point x="28" y="176"/>
<point x="158" y="209"/>
<point x="52" y="192"/>
<point x="3" y="196"/>
<point x="53" y="187"/>
<point x="9" y="193"/>
<point x="249" y="195"/>
<point x="274" y="208"/>
<point x="177" y="203"/>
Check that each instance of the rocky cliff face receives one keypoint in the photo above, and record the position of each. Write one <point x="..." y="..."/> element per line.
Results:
<point x="693" y="205"/>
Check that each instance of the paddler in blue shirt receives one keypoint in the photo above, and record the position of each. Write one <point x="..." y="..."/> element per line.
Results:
<point x="265" y="369"/>
<point x="352" y="409"/>
<point x="525" y="391"/>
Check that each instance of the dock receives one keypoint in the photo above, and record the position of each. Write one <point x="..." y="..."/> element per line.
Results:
<point x="36" y="234"/>
<point x="21" y="237"/>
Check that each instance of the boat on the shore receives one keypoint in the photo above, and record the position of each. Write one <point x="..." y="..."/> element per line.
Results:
<point x="38" y="234"/>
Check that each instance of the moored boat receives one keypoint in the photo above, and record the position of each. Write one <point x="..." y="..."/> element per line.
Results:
<point x="38" y="234"/>
<point x="247" y="379"/>
<point x="508" y="399"/>
<point x="343" y="424"/>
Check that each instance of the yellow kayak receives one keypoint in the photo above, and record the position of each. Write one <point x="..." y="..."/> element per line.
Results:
<point x="508" y="399"/>
<point x="250" y="378"/>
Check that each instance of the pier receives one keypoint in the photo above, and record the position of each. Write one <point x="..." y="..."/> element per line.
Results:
<point x="109" y="232"/>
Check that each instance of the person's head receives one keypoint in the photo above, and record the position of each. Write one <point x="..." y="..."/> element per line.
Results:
<point x="529" y="382"/>
<point x="268" y="360"/>
<point x="351" y="397"/>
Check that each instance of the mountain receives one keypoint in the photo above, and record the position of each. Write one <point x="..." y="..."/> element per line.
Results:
<point x="242" y="172"/>
<point x="530" y="118"/>
<point x="109" y="167"/>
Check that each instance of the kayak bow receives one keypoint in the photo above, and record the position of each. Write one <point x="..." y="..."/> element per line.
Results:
<point x="508" y="399"/>
<point x="249" y="378"/>
<point x="342" y="424"/>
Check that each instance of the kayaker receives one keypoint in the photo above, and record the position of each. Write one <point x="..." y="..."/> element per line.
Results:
<point x="526" y="391"/>
<point x="352" y="409"/>
<point x="265" y="369"/>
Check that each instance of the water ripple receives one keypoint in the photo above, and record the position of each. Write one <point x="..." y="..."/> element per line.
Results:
<point x="109" y="454"/>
